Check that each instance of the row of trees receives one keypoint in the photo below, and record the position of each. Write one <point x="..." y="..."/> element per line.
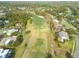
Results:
<point x="18" y="16"/>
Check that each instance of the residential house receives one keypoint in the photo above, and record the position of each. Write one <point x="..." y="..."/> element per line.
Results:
<point x="10" y="40"/>
<point x="62" y="36"/>
<point x="60" y="13"/>
<point x="6" y="41"/>
<point x="5" y="53"/>
<point x="18" y="25"/>
<point x="21" y="8"/>
<point x="6" y="21"/>
<point x="57" y="27"/>
<point x="2" y="13"/>
<point x="10" y="31"/>
<point x="55" y="21"/>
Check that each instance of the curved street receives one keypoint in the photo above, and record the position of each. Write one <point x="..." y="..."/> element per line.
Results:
<point x="76" y="55"/>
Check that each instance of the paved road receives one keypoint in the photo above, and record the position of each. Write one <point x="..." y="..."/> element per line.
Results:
<point x="76" y="55"/>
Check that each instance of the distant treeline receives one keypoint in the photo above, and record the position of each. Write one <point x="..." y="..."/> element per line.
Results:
<point x="39" y="3"/>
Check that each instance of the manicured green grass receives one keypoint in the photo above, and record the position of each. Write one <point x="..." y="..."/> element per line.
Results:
<point x="37" y="21"/>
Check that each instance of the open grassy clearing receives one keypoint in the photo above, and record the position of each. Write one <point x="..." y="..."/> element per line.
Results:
<point x="35" y="49"/>
<point x="40" y="41"/>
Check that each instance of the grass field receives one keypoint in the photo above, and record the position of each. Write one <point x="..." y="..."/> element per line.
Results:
<point x="37" y="42"/>
<point x="40" y="41"/>
<point x="37" y="21"/>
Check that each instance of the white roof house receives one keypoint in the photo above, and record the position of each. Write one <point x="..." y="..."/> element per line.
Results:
<point x="6" y="21"/>
<point x="63" y="36"/>
<point x="21" y="8"/>
<point x="60" y="13"/>
<point x="6" y="41"/>
<point x="55" y="20"/>
<point x="13" y="38"/>
<point x="9" y="32"/>
<point x="2" y="14"/>
<point x="10" y="39"/>
<point x="4" y="52"/>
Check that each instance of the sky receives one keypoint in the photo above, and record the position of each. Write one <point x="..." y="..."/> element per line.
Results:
<point x="39" y="0"/>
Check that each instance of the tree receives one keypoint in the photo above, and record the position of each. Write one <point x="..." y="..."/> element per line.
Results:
<point x="18" y="41"/>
